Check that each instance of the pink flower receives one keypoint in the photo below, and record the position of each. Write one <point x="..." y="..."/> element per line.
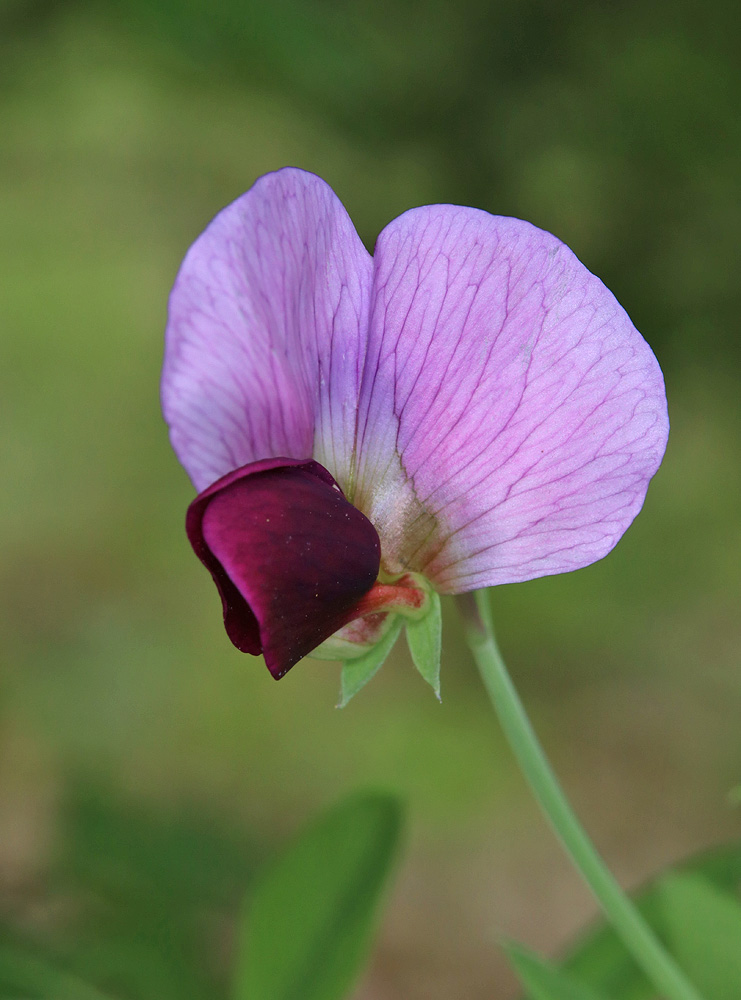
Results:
<point x="470" y="405"/>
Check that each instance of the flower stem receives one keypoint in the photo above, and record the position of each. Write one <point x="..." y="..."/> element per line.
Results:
<point x="636" y="935"/>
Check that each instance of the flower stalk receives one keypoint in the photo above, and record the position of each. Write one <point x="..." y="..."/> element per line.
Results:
<point x="636" y="935"/>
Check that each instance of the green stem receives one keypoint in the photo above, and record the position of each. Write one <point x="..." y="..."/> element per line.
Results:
<point x="636" y="935"/>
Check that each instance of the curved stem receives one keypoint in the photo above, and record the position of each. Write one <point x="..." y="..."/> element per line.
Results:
<point x="636" y="935"/>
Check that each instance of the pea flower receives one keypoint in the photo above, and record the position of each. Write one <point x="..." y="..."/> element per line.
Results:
<point x="468" y="407"/>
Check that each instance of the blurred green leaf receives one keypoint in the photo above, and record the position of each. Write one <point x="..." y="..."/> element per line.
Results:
<point x="308" y="926"/>
<point x="147" y="880"/>
<point x="167" y="859"/>
<point x="36" y="977"/>
<point x="544" y="982"/>
<point x="424" y="637"/>
<point x="602" y="960"/>
<point x="704" y="929"/>
<point x="356" y="673"/>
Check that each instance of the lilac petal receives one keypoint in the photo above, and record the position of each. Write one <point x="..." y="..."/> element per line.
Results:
<point x="290" y="556"/>
<point x="266" y="334"/>
<point x="510" y="414"/>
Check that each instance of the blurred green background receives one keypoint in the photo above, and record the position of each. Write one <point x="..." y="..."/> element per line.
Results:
<point x="146" y="767"/>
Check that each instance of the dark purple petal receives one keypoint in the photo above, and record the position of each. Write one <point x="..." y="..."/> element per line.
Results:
<point x="292" y="559"/>
<point x="510" y="416"/>
<point x="266" y="332"/>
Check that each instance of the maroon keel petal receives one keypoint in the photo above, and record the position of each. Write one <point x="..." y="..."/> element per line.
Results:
<point x="290" y="556"/>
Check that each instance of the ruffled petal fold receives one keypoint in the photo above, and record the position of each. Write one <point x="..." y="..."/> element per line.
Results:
<point x="266" y="335"/>
<point x="510" y="415"/>
<point x="291" y="558"/>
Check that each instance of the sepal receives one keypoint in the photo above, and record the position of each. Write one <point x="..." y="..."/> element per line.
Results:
<point x="424" y="638"/>
<point x="356" y="673"/>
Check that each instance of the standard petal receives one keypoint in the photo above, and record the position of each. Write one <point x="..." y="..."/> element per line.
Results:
<point x="511" y="416"/>
<point x="291" y="558"/>
<point x="266" y="333"/>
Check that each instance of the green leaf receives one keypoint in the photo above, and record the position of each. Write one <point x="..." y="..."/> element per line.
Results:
<point x="356" y="673"/>
<point x="34" y="976"/>
<point x="543" y="981"/>
<point x="601" y="959"/>
<point x="703" y="925"/>
<point x="424" y="637"/>
<point x="308" y="928"/>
